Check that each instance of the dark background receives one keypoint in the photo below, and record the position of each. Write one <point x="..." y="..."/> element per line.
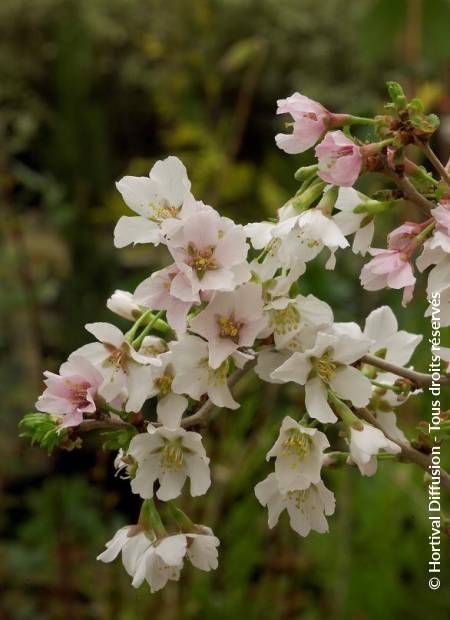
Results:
<point x="91" y="90"/>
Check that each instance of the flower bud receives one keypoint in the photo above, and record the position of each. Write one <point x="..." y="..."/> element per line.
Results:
<point x="122" y="303"/>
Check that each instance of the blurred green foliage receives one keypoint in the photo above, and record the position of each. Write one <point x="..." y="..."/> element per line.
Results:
<point x="91" y="90"/>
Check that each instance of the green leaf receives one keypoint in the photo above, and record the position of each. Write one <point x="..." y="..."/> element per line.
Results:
<point x="43" y="429"/>
<point x="397" y="95"/>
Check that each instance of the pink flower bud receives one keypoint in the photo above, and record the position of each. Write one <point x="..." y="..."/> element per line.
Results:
<point x="340" y="160"/>
<point x="310" y="122"/>
<point x="400" y="238"/>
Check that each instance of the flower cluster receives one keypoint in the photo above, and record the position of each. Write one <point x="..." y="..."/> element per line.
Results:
<point x="229" y="301"/>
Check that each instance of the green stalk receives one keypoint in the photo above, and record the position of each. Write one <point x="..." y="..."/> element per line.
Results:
<point x="147" y="329"/>
<point x="344" y="412"/>
<point x="139" y="321"/>
<point x="181" y="518"/>
<point x="150" y="519"/>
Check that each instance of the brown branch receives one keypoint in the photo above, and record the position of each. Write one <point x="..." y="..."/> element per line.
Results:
<point x="408" y="452"/>
<point x="433" y="159"/>
<point x="409" y="190"/>
<point x="109" y="423"/>
<point x="420" y="379"/>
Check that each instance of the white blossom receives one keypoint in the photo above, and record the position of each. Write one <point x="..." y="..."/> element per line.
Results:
<point x="158" y="560"/>
<point x="169" y="456"/>
<point x="195" y="377"/>
<point x="325" y="366"/>
<point x="298" y="453"/>
<point x="123" y="304"/>
<point x="307" y="509"/>
<point x="350" y="222"/>
<point x="122" y="367"/>
<point x="365" y="445"/>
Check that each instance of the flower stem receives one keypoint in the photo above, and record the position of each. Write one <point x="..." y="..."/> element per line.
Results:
<point x="150" y="519"/>
<point x="344" y="412"/>
<point x="432" y="158"/>
<point x="139" y="321"/>
<point x="147" y="329"/>
<point x="180" y="518"/>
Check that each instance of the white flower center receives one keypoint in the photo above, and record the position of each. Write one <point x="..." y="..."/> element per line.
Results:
<point x="299" y="497"/>
<point x="229" y="328"/>
<point x="163" y="211"/>
<point x="285" y="320"/>
<point x="117" y="357"/>
<point x="325" y="367"/>
<point x="202" y="260"/>
<point x="297" y="444"/>
<point x="164" y="383"/>
<point x="172" y="456"/>
<point x="218" y="376"/>
<point x="78" y="392"/>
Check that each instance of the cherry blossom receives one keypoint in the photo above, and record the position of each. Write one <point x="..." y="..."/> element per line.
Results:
<point x="195" y="377"/>
<point x="327" y="365"/>
<point x="400" y="238"/>
<point x="307" y="509"/>
<point x="211" y="251"/>
<point x="391" y="268"/>
<point x="168" y="289"/>
<point x="72" y="393"/>
<point x="304" y="235"/>
<point x="296" y="318"/>
<point x="310" y="119"/>
<point x="123" y="304"/>
<point x="394" y="346"/>
<point x="340" y="160"/>
<point x="147" y="558"/>
<point x="441" y="235"/>
<point x="162" y="200"/>
<point x="154" y="561"/>
<point x="231" y="320"/>
<point x="350" y="222"/>
<point x="365" y="445"/>
<point x="298" y="453"/>
<point x="122" y="367"/>
<point x="201" y="548"/>
<point x="171" y="404"/>
<point x="170" y="456"/>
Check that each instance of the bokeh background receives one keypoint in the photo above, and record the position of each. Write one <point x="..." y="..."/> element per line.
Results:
<point x="91" y="90"/>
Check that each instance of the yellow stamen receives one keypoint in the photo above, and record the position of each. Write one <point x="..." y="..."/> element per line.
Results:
<point x="172" y="456"/>
<point x="164" y="384"/>
<point x="297" y="444"/>
<point x="202" y="260"/>
<point x="285" y="319"/>
<point x="326" y="368"/>
<point x="229" y="328"/>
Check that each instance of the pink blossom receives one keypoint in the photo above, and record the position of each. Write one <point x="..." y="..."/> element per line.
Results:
<point x="401" y="237"/>
<point x="340" y="159"/>
<point x="211" y="253"/>
<point x="310" y="119"/>
<point x="389" y="268"/>
<point x="442" y="216"/>
<point x="168" y="289"/>
<point x="231" y="320"/>
<point x="72" y="392"/>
